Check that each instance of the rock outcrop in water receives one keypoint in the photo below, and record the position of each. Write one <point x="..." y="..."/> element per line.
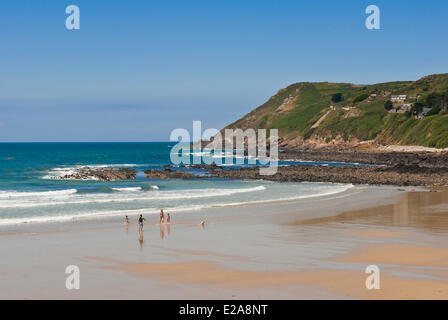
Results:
<point x="374" y="175"/>
<point x="398" y="175"/>
<point x="168" y="173"/>
<point x="101" y="174"/>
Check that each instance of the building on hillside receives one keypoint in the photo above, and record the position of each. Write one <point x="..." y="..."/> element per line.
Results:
<point x="373" y="96"/>
<point x="398" y="98"/>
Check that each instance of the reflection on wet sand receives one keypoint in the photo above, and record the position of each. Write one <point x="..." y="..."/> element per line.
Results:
<point x="140" y="240"/>
<point x="427" y="210"/>
<point x="422" y="209"/>
<point x="415" y="209"/>
<point x="162" y="231"/>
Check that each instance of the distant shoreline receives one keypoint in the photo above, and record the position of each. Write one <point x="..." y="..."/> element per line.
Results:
<point x="363" y="175"/>
<point x="368" y="154"/>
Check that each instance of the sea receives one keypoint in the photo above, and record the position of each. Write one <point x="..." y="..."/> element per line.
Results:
<point x="31" y="193"/>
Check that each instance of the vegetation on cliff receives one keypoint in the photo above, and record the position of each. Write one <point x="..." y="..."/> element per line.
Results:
<point x="416" y="114"/>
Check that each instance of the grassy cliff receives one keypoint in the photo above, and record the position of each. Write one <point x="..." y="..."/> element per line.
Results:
<point x="347" y="113"/>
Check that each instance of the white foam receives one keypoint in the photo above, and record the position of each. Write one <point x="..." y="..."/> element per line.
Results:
<point x="141" y="196"/>
<point x="316" y="195"/>
<point x="154" y="211"/>
<point x="71" y="217"/>
<point x="198" y="153"/>
<point x="22" y="194"/>
<point x="128" y="189"/>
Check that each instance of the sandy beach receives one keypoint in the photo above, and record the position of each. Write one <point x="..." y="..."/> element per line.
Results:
<point x="314" y="248"/>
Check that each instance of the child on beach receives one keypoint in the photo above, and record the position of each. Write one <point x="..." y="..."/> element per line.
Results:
<point x="168" y="218"/>
<point x="126" y="220"/>
<point x="140" y="224"/>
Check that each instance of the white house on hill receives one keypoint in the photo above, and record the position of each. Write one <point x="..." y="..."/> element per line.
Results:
<point x="398" y="98"/>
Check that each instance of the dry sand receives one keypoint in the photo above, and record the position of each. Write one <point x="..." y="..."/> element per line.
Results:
<point x="348" y="284"/>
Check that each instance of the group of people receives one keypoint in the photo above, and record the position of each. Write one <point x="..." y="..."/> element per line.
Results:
<point x="141" y="220"/>
<point x="162" y="217"/>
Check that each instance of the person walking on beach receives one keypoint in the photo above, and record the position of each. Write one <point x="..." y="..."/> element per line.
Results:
<point x="126" y="220"/>
<point x="162" y="218"/>
<point x="140" y="224"/>
<point x="168" y="218"/>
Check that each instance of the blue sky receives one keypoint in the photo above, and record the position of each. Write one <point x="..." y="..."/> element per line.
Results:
<point x="138" y="69"/>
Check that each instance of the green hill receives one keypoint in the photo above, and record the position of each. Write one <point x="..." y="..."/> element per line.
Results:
<point x="347" y="113"/>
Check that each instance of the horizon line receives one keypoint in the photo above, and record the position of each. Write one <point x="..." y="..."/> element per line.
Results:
<point x="158" y="141"/>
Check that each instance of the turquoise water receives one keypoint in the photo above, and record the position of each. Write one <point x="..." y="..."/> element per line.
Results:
<point x="30" y="194"/>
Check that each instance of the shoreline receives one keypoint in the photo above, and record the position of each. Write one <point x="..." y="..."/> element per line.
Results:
<point x="222" y="211"/>
<point x="300" y="250"/>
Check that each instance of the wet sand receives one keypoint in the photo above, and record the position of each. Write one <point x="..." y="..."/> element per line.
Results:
<point x="309" y="249"/>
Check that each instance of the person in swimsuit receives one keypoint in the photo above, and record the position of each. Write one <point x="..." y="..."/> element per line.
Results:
<point x="140" y="223"/>
<point x="162" y="218"/>
<point x="126" y="220"/>
<point x="168" y="218"/>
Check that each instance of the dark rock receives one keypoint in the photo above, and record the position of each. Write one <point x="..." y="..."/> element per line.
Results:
<point x="345" y="154"/>
<point x="102" y="174"/>
<point x="168" y="173"/>
<point x="415" y="176"/>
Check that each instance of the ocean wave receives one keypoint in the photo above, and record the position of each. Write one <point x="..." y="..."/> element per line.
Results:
<point x="154" y="187"/>
<point x="96" y="215"/>
<point x="197" y="153"/>
<point x="71" y="217"/>
<point x="143" y="196"/>
<point x="22" y="194"/>
<point x="154" y="211"/>
<point x="136" y="189"/>
<point x="128" y="189"/>
<point x="65" y="193"/>
<point x="316" y="195"/>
